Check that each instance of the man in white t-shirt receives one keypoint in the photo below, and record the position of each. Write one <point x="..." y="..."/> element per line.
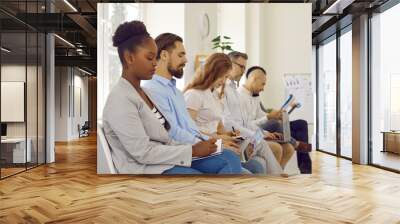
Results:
<point x="251" y="104"/>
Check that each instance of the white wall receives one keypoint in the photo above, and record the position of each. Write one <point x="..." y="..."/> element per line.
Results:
<point x="252" y="30"/>
<point x="194" y="43"/>
<point x="68" y="81"/>
<point x="252" y="38"/>
<point x="82" y="83"/>
<point x="231" y="22"/>
<point x="12" y="73"/>
<point x="162" y="18"/>
<point x="165" y="18"/>
<point x="285" y="46"/>
<point x="61" y="103"/>
<point x="33" y="126"/>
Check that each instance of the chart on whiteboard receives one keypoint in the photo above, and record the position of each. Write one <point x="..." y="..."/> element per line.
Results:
<point x="300" y="86"/>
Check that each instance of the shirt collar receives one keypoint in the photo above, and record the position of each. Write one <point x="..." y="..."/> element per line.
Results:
<point x="231" y="83"/>
<point x="246" y="91"/>
<point x="164" y="80"/>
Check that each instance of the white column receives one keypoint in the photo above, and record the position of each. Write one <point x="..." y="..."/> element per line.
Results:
<point x="252" y="31"/>
<point x="50" y="99"/>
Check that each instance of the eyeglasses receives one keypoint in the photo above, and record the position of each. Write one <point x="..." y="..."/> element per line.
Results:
<point x="243" y="67"/>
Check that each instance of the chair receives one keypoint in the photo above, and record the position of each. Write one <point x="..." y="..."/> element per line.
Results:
<point x="105" y="164"/>
<point x="84" y="130"/>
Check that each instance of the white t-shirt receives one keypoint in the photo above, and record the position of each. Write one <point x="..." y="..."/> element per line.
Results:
<point x="208" y="106"/>
<point x="251" y="109"/>
<point x="234" y="112"/>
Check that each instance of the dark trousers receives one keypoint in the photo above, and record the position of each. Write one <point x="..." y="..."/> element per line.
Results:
<point x="299" y="131"/>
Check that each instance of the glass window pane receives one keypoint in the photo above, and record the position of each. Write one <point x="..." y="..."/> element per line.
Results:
<point x="346" y="94"/>
<point x="111" y="15"/>
<point x="23" y="86"/>
<point x="13" y="87"/>
<point x="386" y="88"/>
<point x="327" y="97"/>
<point x="31" y="97"/>
<point x="41" y="98"/>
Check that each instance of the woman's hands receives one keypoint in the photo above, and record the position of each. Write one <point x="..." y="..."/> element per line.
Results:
<point x="229" y="142"/>
<point x="204" y="148"/>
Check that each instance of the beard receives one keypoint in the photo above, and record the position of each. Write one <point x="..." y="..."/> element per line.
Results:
<point x="176" y="72"/>
<point x="257" y="93"/>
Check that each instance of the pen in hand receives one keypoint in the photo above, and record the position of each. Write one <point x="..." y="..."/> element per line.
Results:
<point x="201" y="138"/>
<point x="234" y="131"/>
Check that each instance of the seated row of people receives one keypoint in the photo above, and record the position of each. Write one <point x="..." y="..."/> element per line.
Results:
<point x="153" y="128"/>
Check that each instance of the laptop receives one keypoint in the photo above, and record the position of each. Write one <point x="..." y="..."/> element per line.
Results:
<point x="286" y="136"/>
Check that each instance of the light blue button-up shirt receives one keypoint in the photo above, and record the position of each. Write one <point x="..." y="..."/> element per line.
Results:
<point x="171" y="103"/>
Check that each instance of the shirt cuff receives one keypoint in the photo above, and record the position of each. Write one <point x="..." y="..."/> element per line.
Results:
<point x="197" y="139"/>
<point x="187" y="160"/>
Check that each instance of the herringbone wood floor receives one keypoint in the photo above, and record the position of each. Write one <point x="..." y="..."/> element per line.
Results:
<point x="70" y="191"/>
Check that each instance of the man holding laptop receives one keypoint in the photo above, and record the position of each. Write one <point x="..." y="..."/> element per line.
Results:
<point x="249" y="95"/>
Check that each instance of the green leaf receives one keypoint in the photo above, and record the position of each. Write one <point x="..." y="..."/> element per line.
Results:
<point x="215" y="47"/>
<point x="227" y="42"/>
<point x="218" y="38"/>
<point x="226" y="37"/>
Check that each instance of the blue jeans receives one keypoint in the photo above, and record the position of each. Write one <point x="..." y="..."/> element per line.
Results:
<point x="254" y="167"/>
<point x="225" y="163"/>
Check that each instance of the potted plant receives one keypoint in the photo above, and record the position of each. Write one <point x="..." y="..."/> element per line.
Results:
<point x="222" y="42"/>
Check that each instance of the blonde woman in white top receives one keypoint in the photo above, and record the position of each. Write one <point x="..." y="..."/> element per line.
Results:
<point x="203" y="98"/>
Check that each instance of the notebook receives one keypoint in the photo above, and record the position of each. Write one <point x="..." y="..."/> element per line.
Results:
<point x="219" y="151"/>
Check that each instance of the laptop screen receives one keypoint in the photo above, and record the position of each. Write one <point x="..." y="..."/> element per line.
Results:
<point x="286" y="126"/>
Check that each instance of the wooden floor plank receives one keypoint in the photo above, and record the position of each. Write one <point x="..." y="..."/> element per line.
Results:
<point x="70" y="191"/>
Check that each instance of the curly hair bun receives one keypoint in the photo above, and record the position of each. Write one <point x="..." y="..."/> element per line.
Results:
<point x="128" y="30"/>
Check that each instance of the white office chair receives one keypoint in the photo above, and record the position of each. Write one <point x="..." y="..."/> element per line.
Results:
<point x="105" y="164"/>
